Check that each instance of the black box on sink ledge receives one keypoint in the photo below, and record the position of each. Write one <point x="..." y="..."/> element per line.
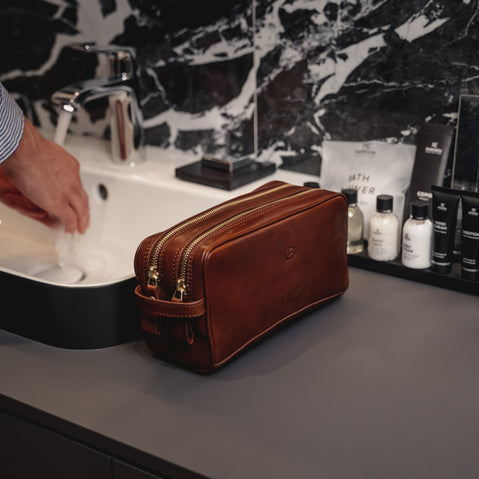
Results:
<point x="227" y="175"/>
<point x="452" y="280"/>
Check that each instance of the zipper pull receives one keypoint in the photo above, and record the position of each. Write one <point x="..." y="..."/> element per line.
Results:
<point x="179" y="291"/>
<point x="152" y="284"/>
<point x="153" y="276"/>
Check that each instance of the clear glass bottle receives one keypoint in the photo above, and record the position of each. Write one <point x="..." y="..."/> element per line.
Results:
<point x="355" y="222"/>
<point x="383" y="239"/>
<point x="417" y="238"/>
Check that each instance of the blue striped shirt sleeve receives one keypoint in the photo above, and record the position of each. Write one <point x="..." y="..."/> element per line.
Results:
<point x="11" y="124"/>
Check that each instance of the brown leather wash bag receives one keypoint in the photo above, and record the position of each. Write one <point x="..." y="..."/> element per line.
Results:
<point x="221" y="280"/>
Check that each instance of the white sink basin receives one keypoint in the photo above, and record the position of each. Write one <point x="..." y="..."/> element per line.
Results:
<point x="127" y="204"/>
<point x="90" y="302"/>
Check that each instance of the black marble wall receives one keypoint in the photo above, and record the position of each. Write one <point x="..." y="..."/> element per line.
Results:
<point x="266" y="77"/>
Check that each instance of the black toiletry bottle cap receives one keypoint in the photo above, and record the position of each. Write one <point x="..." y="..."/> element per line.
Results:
<point x="441" y="268"/>
<point x="311" y="184"/>
<point x="351" y="195"/>
<point x="419" y="211"/>
<point x="472" y="275"/>
<point x="384" y="203"/>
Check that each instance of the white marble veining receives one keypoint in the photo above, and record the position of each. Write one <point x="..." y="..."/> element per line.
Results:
<point x="268" y="76"/>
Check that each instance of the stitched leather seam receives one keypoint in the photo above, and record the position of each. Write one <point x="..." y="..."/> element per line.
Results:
<point x="175" y="316"/>
<point x="190" y="309"/>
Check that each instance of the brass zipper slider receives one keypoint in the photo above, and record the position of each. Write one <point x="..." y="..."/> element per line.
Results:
<point x="153" y="276"/>
<point x="180" y="290"/>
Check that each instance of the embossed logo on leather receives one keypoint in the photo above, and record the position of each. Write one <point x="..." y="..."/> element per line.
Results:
<point x="289" y="254"/>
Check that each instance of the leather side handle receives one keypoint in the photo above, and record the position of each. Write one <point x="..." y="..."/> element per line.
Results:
<point x="170" y="309"/>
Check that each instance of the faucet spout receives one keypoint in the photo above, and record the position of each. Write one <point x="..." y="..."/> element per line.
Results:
<point x="126" y="120"/>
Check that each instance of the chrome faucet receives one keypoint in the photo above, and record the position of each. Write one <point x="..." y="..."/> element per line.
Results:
<point x="120" y="86"/>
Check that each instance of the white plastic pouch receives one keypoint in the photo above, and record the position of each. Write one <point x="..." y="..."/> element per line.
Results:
<point x="373" y="168"/>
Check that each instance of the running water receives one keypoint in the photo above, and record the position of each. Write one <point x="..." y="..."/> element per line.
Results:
<point x="64" y="119"/>
<point x="83" y="258"/>
<point x="68" y="261"/>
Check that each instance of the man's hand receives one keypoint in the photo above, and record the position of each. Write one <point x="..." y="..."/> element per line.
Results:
<point x="12" y="197"/>
<point x="49" y="177"/>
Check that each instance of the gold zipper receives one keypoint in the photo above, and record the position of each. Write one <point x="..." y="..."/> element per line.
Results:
<point x="153" y="273"/>
<point x="181" y="290"/>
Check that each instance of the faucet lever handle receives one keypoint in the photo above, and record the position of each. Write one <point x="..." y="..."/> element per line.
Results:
<point x="121" y="58"/>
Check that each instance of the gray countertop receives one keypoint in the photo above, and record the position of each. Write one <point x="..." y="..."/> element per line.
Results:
<point x="381" y="383"/>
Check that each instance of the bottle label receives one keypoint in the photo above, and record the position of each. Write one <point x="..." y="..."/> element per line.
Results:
<point x="383" y="238"/>
<point x="417" y="244"/>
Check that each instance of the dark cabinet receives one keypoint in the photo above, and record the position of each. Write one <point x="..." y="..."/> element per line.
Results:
<point x="27" y="451"/>
<point x="30" y="451"/>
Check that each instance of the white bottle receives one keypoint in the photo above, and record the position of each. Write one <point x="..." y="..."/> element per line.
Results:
<point x="383" y="239"/>
<point x="417" y="238"/>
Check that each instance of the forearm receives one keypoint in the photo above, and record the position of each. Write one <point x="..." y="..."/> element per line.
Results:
<point x="40" y="170"/>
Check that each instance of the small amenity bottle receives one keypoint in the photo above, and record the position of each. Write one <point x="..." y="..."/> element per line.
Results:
<point x="383" y="240"/>
<point x="355" y="222"/>
<point x="417" y="238"/>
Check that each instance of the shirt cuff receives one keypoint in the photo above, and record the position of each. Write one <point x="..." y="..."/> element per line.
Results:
<point x="11" y="124"/>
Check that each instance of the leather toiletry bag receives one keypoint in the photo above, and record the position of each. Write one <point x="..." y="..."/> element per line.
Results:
<point x="214" y="284"/>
